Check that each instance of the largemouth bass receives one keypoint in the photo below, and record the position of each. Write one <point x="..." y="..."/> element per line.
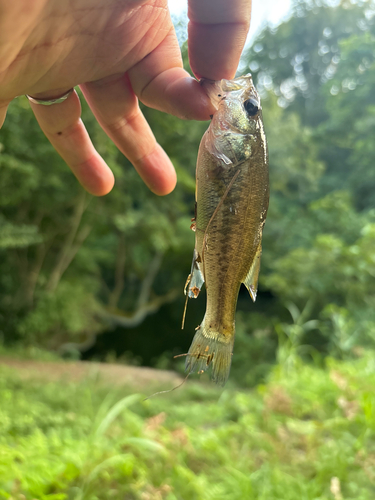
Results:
<point x="232" y="192"/>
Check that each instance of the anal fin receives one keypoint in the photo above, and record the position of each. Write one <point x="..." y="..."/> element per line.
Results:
<point x="193" y="283"/>
<point x="251" y="280"/>
<point x="196" y="278"/>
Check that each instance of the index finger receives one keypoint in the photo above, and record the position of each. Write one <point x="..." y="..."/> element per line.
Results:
<point x="217" y="35"/>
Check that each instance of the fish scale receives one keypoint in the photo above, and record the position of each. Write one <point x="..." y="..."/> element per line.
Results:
<point x="231" y="205"/>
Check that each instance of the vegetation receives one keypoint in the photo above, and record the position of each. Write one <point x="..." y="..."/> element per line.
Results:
<point x="307" y="434"/>
<point x="73" y="267"/>
<point x="87" y="277"/>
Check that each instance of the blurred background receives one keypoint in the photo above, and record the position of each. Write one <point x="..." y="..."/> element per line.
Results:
<point x="98" y="278"/>
<point x="102" y="279"/>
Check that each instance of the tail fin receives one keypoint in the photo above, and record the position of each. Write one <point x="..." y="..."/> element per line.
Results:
<point x="211" y="348"/>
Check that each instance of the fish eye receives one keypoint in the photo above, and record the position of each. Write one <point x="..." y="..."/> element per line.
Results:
<point x="251" y="106"/>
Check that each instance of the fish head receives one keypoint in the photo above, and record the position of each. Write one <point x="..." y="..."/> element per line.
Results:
<point x="236" y="130"/>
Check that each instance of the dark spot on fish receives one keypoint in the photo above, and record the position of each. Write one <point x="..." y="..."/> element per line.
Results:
<point x="251" y="106"/>
<point x="219" y="95"/>
<point x="59" y="133"/>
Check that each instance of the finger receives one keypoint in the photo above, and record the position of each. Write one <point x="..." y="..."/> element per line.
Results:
<point x="3" y="112"/>
<point x="160" y="82"/>
<point x="63" y="126"/>
<point x="217" y="34"/>
<point x="115" y="106"/>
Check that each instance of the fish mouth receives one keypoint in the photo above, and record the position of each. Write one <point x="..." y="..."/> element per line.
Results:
<point x="217" y="90"/>
<point x="214" y="91"/>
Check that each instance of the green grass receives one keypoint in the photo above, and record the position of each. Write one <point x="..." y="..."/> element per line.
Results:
<point x="285" y="440"/>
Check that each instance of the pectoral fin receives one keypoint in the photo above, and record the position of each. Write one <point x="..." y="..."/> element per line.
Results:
<point x="196" y="278"/>
<point x="251" y="280"/>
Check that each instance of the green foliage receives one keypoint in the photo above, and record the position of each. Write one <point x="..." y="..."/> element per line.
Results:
<point x="303" y="53"/>
<point x="254" y="349"/>
<point x="290" y="336"/>
<point x="18" y="236"/>
<point x="69" y="311"/>
<point x="288" y="438"/>
<point x="67" y="258"/>
<point x="68" y="262"/>
<point x="72" y="266"/>
<point x="318" y="67"/>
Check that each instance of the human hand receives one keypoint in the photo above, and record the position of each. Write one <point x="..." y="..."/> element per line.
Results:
<point x="117" y="51"/>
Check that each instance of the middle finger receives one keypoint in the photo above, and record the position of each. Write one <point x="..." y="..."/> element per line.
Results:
<point x="116" y="108"/>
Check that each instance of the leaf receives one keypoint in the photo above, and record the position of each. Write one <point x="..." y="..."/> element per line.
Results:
<point x="18" y="235"/>
<point x="148" y="444"/>
<point x="294" y="311"/>
<point x="109" y="462"/>
<point x="114" y="412"/>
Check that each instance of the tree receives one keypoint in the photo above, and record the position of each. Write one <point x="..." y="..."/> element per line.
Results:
<point x="71" y="264"/>
<point x="319" y="67"/>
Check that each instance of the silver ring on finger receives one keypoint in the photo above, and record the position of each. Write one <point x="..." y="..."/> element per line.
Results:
<point x="49" y="102"/>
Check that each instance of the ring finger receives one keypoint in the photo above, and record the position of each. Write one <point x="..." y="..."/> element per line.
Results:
<point x="62" y="125"/>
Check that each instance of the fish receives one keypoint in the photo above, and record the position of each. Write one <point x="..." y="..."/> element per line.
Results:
<point x="231" y="203"/>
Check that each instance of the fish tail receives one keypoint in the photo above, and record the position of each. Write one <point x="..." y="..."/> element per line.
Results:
<point x="211" y="348"/>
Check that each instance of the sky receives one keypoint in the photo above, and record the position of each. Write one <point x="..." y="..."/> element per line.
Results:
<point x="272" y="11"/>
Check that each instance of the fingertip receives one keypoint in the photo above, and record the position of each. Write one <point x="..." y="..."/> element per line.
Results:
<point x="189" y="95"/>
<point x="223" y="44"/>
<point x="175" y="92"/>
<point x="95" y="176"/>
<point x="157" y="172"/>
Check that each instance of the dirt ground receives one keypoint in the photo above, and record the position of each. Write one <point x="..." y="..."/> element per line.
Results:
<point x="102" y="372"/>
